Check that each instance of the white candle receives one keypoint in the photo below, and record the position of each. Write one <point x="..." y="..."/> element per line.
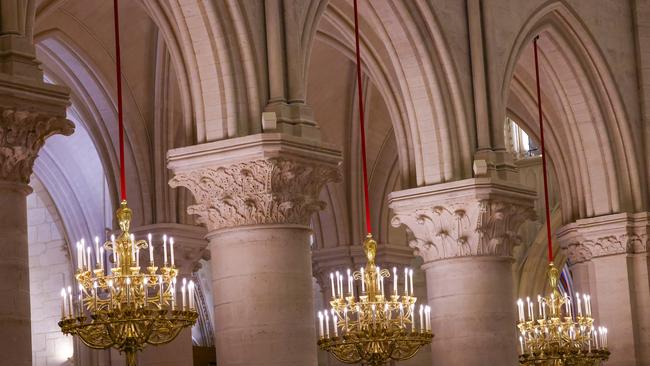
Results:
<point x="520" y="309"/>
<point x="530" y="308"/>
<point x="539" y="301"/>
<point x="191" y="295"/>
<point x="395" y="280"/>
<point x="97" y="250"/>
<point x="89" y="263"/>
<point x="101" y="261"/>
<point x="421" y="318"/>
<point x="62" y="303"/>
<point x="171" y="248"/>
<point x="334" y="324"/>
<point x="411" y="280"/>
<point x="412" y="318"/>
<point x="428" y="318"/>
<point x="406" y="281"/>
<point x="183" y="297"/>
<point x="332" y="284"/>
<point x="165" y="249"/>
<point x="70" y="308"/>
<point x="589" y="304"/>
<point x="349" y="282"/>
<point x="578" y="305"/>
<point x="338" y="284"/>
<point x="521" y="345"/>
<point x="150" y="250"/>
<point x="327" y="325"/>
<point x="320" y="322"/>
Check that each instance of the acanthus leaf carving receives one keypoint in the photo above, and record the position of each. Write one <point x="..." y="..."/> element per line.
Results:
<point x="22" y="135"/>
<point x="263" y="191"/>
<point x="485" y="227"/>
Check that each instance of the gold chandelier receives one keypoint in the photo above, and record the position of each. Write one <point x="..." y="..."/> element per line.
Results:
<point x="123" y="307"/>
<point x="374" y="327"/>
<point x="556" y="335"/>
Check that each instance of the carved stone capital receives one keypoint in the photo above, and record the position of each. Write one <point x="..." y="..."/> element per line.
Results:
<point x="273" y="186"/>
<point x="606" y="235"/>
<point x="473" y="217"/>
<point x="22" y="135"/>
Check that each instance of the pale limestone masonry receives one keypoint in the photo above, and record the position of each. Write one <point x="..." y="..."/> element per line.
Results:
<point x="609" y="259"/>
<point x="465" y="232"/>
<point x="49" y="270"/>
<point x="256" y="195"/>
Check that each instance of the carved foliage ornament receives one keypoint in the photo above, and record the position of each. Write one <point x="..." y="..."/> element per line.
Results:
<point x="265" y="191"/>
<point x="22" y="135"/>
<point x="582" y="251"/>
<point x="485" y="227"/>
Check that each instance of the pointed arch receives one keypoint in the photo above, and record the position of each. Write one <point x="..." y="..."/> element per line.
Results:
<point x="591" y="117"/>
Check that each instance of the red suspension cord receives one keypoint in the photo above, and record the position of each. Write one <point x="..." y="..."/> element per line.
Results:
<point x="364" y="164"/>
<point x="541" y="138"/>
<point x="118" y="75"/>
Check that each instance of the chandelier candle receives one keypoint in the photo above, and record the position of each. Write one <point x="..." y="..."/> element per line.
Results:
<point x="122" y="309"/>
<point x="373" y="328"/>
<point x="557" y="337"/>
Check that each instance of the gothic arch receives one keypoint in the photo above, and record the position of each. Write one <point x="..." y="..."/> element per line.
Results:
<point x="195" y="32"/>
<point x="590" y="114"/>
<point x="417" y="79"/>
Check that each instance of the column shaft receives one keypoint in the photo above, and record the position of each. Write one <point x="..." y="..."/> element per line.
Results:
<point x="465" y="232"/>
<point x="472" y="310"/>
<point x="264" y="306"/>
<point x="15" y="332"/>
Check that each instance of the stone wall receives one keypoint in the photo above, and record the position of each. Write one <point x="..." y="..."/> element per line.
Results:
<point x="49" y="270"/>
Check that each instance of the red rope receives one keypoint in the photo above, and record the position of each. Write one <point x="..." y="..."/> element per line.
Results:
<point x="541" y="138"/>
<point x="361" y="119"/>
<point x="118" y="75"/>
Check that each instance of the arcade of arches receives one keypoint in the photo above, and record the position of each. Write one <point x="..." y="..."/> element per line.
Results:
<point x="217" y="92"/>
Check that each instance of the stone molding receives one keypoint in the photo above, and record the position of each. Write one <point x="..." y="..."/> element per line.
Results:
<point x="614" y="234"/>
<point x="22" y="135"/>
<point x="473" y="217"/>
<point x="277" y="180"/>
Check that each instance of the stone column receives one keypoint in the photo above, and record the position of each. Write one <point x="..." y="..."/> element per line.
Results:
<point x="465" y="231"/>
<point x="190" y="247"/>
<point x="22" y="134"/>
<point x="256" y="194"/>
<point x="30" y="112"/>
<point x="608" y="258"/>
